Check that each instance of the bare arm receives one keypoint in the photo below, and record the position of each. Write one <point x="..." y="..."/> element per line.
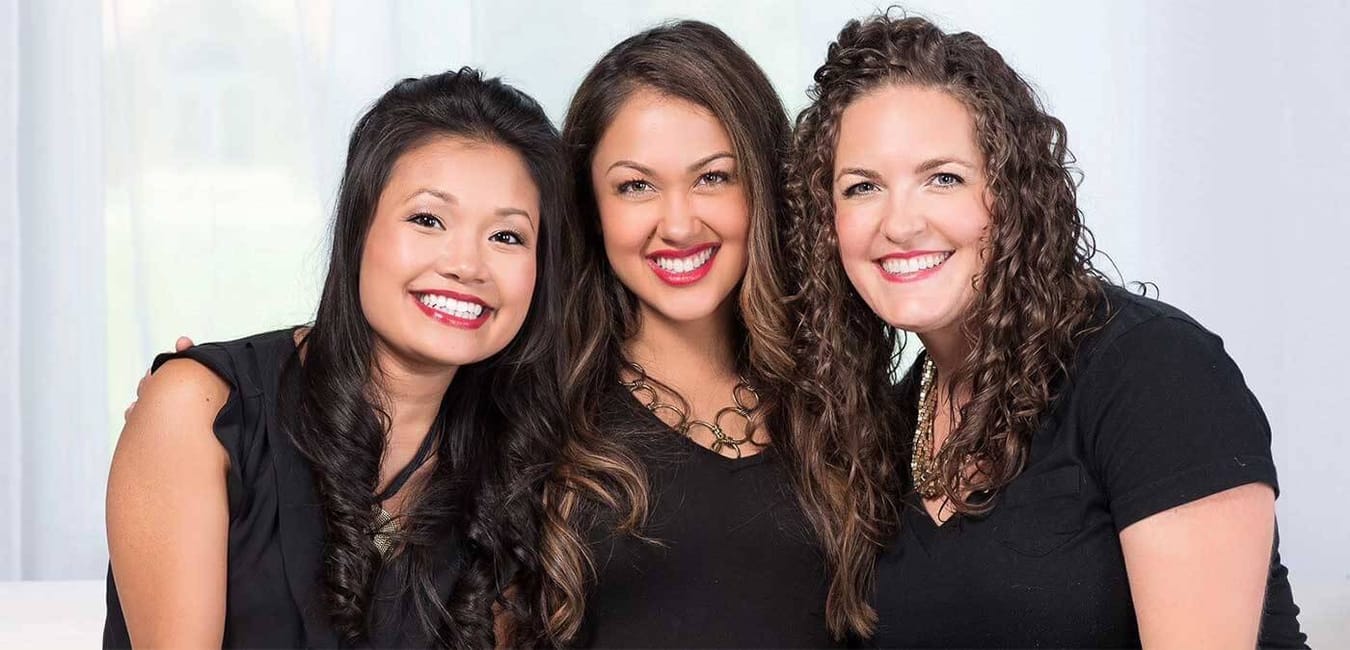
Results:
<point x="168" y="513"/>
<point x="1198" y="571"/>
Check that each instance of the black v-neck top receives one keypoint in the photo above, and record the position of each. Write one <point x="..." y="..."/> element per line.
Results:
<point x="276" y="531"/>
<point x="1155" y="415"/>
<point x="736" y="565"/>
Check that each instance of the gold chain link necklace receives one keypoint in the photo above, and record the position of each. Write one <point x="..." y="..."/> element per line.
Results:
<point x="744" y="401"/>
<point x="923" y="467"/>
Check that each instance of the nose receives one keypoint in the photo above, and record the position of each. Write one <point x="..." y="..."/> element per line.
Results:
<point x="679" y="223"/>
<point x="904" y="219"/>
<point x="461" y="259"/>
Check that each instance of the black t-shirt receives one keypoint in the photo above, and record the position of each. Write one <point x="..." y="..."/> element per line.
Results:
<point x="735" y="564"/>
<point x="1154" y="415"/>
<point x="274" y="567"/>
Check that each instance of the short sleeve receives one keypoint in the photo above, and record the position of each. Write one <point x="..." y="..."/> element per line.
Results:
<point x="235" y="427"/>
<point x="1170" y="420"/>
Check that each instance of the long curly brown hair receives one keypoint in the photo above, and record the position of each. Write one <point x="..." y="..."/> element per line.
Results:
<point x="1035" y="297"/>
<point x="698" y="63"/>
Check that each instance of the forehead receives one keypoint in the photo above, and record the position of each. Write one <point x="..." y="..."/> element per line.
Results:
<point x="476" y="172"/>
<point x="655" y="129"/>
<point x="905" y="123"/>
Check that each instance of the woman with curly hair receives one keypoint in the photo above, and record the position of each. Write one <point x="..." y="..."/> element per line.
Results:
<point x="369" y="479"/>
<point x="671" y="518"/>
<point x="1069" y="464"/>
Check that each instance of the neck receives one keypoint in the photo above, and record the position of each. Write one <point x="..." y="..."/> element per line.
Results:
<point x="412" y="394"/>
<point x="948" y="349"/>
<point x="685" y="353"/>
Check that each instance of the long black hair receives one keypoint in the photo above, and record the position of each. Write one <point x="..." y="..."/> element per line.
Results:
<point x="498" y="426"/>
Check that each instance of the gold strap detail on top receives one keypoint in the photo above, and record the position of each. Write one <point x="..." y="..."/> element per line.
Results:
<point x="386" y="528"/>
<point x="744" y="400"/>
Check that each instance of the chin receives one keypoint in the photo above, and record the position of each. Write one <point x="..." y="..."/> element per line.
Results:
<point x="685" y="309"/>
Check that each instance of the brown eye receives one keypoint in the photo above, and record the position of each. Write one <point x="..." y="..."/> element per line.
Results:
<point x="427" y="220"/>
<point x="509" y="237"/>
<point x="714" y="178"/>
<point x="634" y="187"/>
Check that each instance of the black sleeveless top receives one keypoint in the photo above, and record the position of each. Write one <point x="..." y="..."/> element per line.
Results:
<point x="276" y="531"/>
<point x="1155" y="415"/>
<point x="735" y="564"/>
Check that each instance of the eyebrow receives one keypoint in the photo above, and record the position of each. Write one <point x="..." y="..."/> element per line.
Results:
<point x="721" y="154"/>
<point x="515" y="212"/>
<point x="450" y="198"/>
<point x="691" y="168"/>
<point x="934" y="163"/>
<point x="927" y="165"/>
<point x="444" y="196"/>
<point x="869" y="174"/>
<point x="632" y="165"/>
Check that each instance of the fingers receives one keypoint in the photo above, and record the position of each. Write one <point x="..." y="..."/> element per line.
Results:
<point x="182" y="343"/>
<point x="140" y="385"/>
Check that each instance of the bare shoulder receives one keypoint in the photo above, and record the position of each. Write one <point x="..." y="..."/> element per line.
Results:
<point x="175" y="414"/>
<point x="185" y="383"/>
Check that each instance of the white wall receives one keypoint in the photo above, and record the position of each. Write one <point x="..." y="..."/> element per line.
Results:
<point x="1214" y="136"/>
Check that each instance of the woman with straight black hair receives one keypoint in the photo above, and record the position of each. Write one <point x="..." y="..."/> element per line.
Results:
<point x="373" y="478"/>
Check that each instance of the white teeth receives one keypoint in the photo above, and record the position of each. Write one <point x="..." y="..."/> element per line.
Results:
<point x="901" y="266"/>
<point x="685" y="264"/>
<point x="456" y="308"/>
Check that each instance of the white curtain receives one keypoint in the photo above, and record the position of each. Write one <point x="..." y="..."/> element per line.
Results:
<point x="10" y="479"/>
<point x="54" y="352"/>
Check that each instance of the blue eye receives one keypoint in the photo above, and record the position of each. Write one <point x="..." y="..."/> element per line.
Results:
<point x="946" y="179"/>
<point x="427" y="220"/>
<point x="634" y="186"/>
<point x="864" y="187"/>
<point x="509" y="237"/>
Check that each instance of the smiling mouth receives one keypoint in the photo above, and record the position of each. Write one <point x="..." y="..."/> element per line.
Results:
<point x="913" y="267"/>
<point x="455" y="310"/>
<point x="685" y="266"/>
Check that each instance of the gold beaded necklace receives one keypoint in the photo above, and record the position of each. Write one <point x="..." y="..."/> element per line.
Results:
<point x="744" y="401"/>
<point x="923" y="467"/>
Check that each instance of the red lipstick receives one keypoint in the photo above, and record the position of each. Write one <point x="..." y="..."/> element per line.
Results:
<point x="682" y="278"/>
<point x="446" y="318"/>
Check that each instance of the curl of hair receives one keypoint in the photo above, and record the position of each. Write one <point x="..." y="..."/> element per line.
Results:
<point x="1035" y="295"/>
<point x="499" y="423"/>
<point x="698" y="63"/>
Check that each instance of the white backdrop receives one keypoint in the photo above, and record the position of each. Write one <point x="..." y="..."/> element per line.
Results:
<point x="167" y="167"/>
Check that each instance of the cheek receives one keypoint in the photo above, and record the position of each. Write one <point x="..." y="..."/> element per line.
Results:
<point x="853" y="232"/>
<point x="970" y="224"/>
<point x="389" y="256"/>
<point x="378" y="264"/>
<point x="515" y="280"/>
<point x="728" y="215"/>
<point x="622" y="226"/>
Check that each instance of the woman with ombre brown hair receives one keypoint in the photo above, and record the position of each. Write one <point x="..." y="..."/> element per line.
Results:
<point x="1073" y="465"/>
<point x="671" y="517"/>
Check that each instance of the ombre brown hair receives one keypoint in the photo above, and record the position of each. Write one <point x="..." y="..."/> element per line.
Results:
<point x="1035" y="296"/>
<point x="698" y="63"/>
